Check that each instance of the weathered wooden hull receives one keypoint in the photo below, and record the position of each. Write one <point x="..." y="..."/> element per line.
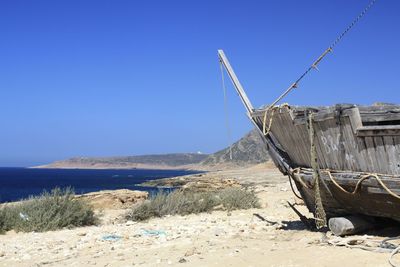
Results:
<point x="351" y="142"/>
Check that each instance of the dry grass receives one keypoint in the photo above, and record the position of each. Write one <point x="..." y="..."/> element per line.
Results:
<point x="50" y="211"/>
<point x="183" y="203"/>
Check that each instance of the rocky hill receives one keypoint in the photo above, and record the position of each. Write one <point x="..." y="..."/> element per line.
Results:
<point x="248" y="151"/>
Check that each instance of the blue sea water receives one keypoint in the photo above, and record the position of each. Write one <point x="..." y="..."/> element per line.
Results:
<point x="20" y="183"/>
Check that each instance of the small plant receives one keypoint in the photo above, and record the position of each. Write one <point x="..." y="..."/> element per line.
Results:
<point x="183" y="203"/>
<point x="235" y="198"/>
<point x="50" y="211"/>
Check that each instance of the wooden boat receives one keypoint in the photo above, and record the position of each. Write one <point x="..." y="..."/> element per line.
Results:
<point x="344" y="159"/>
<point x="357" y="149"/>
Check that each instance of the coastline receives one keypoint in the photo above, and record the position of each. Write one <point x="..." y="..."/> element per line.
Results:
<point x="219" y="238"/>
<point x="26" y="182"/>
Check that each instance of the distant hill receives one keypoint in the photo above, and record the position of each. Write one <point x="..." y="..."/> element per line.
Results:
<point x="162" y="161"/>
<point x="248" y="151"/>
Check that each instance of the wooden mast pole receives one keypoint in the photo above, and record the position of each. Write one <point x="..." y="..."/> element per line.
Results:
<point x="283" y="166"/>
<point x="236" y="83"/>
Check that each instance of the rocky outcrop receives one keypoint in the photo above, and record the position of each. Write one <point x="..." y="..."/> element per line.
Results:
<point x="207" y="184"/>
<point x="114" y="199"/>
<point x="195" y="182"/>
<point x="250" y="150"/>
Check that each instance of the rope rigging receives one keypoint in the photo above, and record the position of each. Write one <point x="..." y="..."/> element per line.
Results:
<point x="319" y="212"/>
<point x="318" y="60"/>
<point x="227" y="124"/>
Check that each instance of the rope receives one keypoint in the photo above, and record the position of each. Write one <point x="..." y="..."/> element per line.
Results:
<point x="394" y="252"/>
<point x="273" y="108"/>
<point x="320" y="214"/>
<point x="300" y="180"/>
<point x="227" y="124"/>
<point x="266" y="131"/>
<point x="363" y="177"/>
<point x="291" y="187"/>
<point x="327" y="51"/>
<point x="386" y="244"/>
<point x="358" y="185"/>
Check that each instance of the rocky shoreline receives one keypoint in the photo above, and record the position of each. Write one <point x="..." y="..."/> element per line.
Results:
<point x="270" y="236"/>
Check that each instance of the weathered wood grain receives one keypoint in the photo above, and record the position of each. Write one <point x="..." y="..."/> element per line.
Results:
<point x="354" y="140"/>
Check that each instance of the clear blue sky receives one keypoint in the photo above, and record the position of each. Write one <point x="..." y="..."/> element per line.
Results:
<point x="103" y="78"/>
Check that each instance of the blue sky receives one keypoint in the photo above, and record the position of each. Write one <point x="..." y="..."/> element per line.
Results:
<point x="104" y="78"/>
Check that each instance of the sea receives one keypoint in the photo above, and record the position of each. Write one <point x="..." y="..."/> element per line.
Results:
<point x="21" y="183"/>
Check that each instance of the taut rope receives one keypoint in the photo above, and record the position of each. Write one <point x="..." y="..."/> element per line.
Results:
<point x="320" y="58"/>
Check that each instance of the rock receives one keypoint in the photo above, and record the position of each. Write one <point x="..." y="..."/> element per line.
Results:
<point x="205" y="184"/>
<point x="192" y="251"/>
<point x="182" y="260"/>
<point x="114" y="199"/>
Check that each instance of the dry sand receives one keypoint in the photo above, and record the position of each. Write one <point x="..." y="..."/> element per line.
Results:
<point x="218" y="239"/>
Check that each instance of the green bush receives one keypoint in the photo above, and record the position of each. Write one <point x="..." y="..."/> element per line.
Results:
<point x="50" y="211"/>
<point x="183" y="203"/>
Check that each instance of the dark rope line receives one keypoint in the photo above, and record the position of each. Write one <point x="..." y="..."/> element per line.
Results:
<point x="327" y="51"/>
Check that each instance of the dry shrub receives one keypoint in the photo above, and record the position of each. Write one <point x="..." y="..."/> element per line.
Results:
<point x="2" y="221"/>
<point x="183" y="203"/>
<point x="236" y="198"/>
<point x="50" y="211"/>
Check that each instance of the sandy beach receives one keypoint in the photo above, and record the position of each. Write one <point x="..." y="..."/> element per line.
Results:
<point x="220" y="238"/>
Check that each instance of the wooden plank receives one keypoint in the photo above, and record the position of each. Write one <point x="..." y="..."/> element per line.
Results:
<point x="350" y="180"/>
<point x="279" y="129"/>
<point x="375" y="190"/>
<point x="379" y="130"/>
<point x="366" y="164"/>
<point x="354" y="161"/>
<point x="382" y="158"/>
<point x="380" y="117"/>
<point x="370" y="145"/>
<point x="393" y="159"/>
<point x="236" y="83"/>
<point x="355" y="118"/>
<point x="332" y="136"/>
<point x="396" y="140"/>
<point x="337" y="202"/>
<point x="291" y="144"/>
<point x="299" y="141"/>
<point x="323" y="160"/>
